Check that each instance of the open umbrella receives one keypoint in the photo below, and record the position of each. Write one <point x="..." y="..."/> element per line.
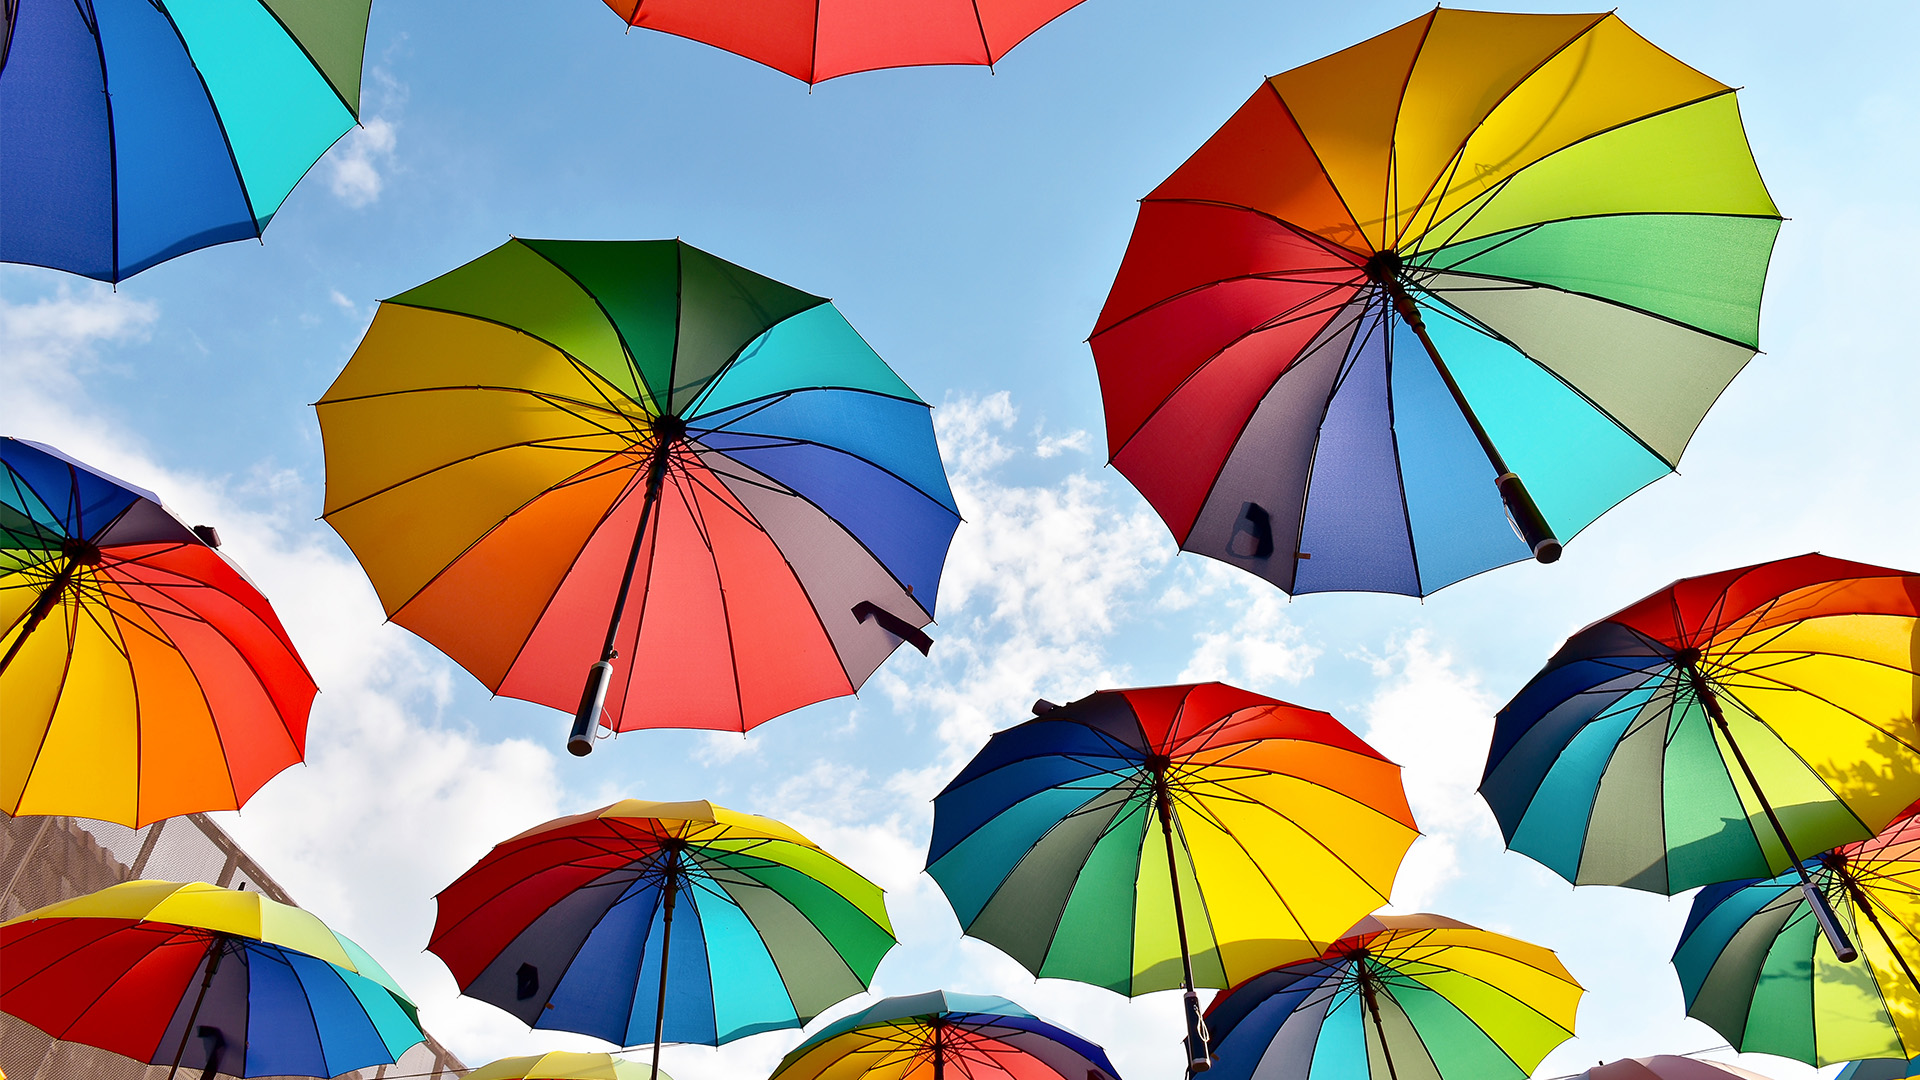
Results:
<point x="1880" y="1069"/>
<point x="817" y="40"/>
<point x="136" y="132"/>
<point x="142" y="675"/>
<point x="570" y="926"/>
<point x="1399" y="998"/>
<point x="940" y="1034"/>
<point x="1715" y="729"/>
<point x="1171" y="836"/>
<point x="562" y="1065"/>
<point x="1756" y="968"/>
<point x="1482" y="267"/>
<point x="207" y="978"/>
<point x="634" y="465"/>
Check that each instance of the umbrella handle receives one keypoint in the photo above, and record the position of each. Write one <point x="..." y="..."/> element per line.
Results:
<point x="1527" y="518"/>
<point x="1843" y="949"/>
<point x="1199" y="1053"/>
<point x="592" y="700"/>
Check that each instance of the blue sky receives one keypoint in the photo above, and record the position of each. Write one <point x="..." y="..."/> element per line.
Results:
<point x="968" y="225"/>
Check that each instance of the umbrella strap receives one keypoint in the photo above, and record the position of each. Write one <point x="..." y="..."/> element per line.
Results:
<point x="1373" y="1008"/>
<point x="1199" y="1054"/>
<point x="1526" y="514"/>
<point x="214" y="952"/>
<point x="1816" y="900"/>
<point x="666" y="946"/>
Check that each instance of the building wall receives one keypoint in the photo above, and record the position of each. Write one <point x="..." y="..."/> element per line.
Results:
<point x="48" y="859"/>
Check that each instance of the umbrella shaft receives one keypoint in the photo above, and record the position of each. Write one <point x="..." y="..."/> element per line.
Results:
<point x="666" y="945"/>
<point x="1526" y="514"/>
<point x="1816" y="900"/>
<point x="1199" y="1055"/>
<point x="42" y="607"/>
<point x="594" y="695"/>
<point x="1366" y="989"/>
<point x="213" y="965"/>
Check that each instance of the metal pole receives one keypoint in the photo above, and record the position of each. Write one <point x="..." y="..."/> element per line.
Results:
<point x="79" y="553"/>
<point x="1816" y="900"/>
<point x="1366" y="990"/>
<point x="1865" y="904"/>
<point x="1384" y="269"/>
<point x="667" y="430"/>
<point x="213" y="965"/>
<point x="1199" y="1054"/>
<point x="666" y="945"/>
<point x="939" y="1053"/>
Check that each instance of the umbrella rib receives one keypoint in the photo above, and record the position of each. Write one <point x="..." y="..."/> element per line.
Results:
<point x="1443" y="306"/>
<point x="790" y="440"/>
<point x="1328" y="275"/>
<point x="540" y="444"/>
<point x="626" y="350"/>
<point x="1399" y="473"/>
<point x="1352" y="218"/>
<point x="1459" y="151"/>
<point x="1500" y="187"/>
<point x="1272" y="324"/>
<point x="726" y="614"/>
<point x="1596" y="298"/>
<point x="1390" y="193"/>
<point x="60" y="692"/>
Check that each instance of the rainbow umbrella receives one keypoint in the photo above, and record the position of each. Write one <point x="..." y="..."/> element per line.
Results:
<point x="1478" y="248"/>
<point x="143" y="675"/>
<point x="203" y="977"/>
<point x="136" y="132"/>
<point x="523" y="445"/>
<point x="1399" y="998"/>
<point x="561" y="1065"/>
<point x="1716" y="728"/>
<point x="817" y="40"/>
<point x="568" y="926"/>
<point x="931" y="1036"/>
<point x="1146" y="839"/>
<point x="1756" y="968"/>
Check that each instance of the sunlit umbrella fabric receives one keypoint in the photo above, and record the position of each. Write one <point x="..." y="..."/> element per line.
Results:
<point x="136" y="132"/>
<point x="126" y="969"/>
<point x="1413" y="997"/>
<point x="942" y="1034"/>
<point x="564" y="1065"/>
<point x="1286" y="829"/>
<point x="1755" y="967"/>
<point x="817" y="40"/>
<point x="1570" y="216"/>
<point x="142" y="675"/>
<point x="1609" y="769"/>
<point x="565" y="925"/>
<point x="490" y="450"/>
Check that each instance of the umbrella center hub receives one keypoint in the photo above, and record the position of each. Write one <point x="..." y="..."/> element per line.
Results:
<point x="669" y="428"/>
<point x="1384" y="266"/>
<point x="80" y="552"/>
<point x="1688" y="657"/>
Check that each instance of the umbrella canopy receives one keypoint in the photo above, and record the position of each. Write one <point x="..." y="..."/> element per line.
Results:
<point x="1414" y="997"/>
<point x="1170" y="836"/>
<point x="1481" y="267"/>
<point x="933" y="1036"/>
<point x="143" y="675"/>
<point x="817" y="40"/>
<point x="1756" y="968"/>
<point x="201" y="977"/>
<point x="521" y="444"/>
<point x="561" y="1065"/>
<point x="1668" y="1067"/>
<point x="1712" y="729"/>
<point x="1880" y="1069"/>
<point x="569" y="926"/>
<point x="136" y="132"/>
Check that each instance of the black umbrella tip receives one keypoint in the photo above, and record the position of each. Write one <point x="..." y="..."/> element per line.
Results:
<point x="1042" y="707"/>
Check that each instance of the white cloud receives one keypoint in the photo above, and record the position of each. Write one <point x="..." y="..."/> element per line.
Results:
<point x="354" y="167"/>
<point x="1436" y="721"/>
<point x="1259" y="647"/>
<point x="1055" y="445"/>
<point x="395" y="799"/>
